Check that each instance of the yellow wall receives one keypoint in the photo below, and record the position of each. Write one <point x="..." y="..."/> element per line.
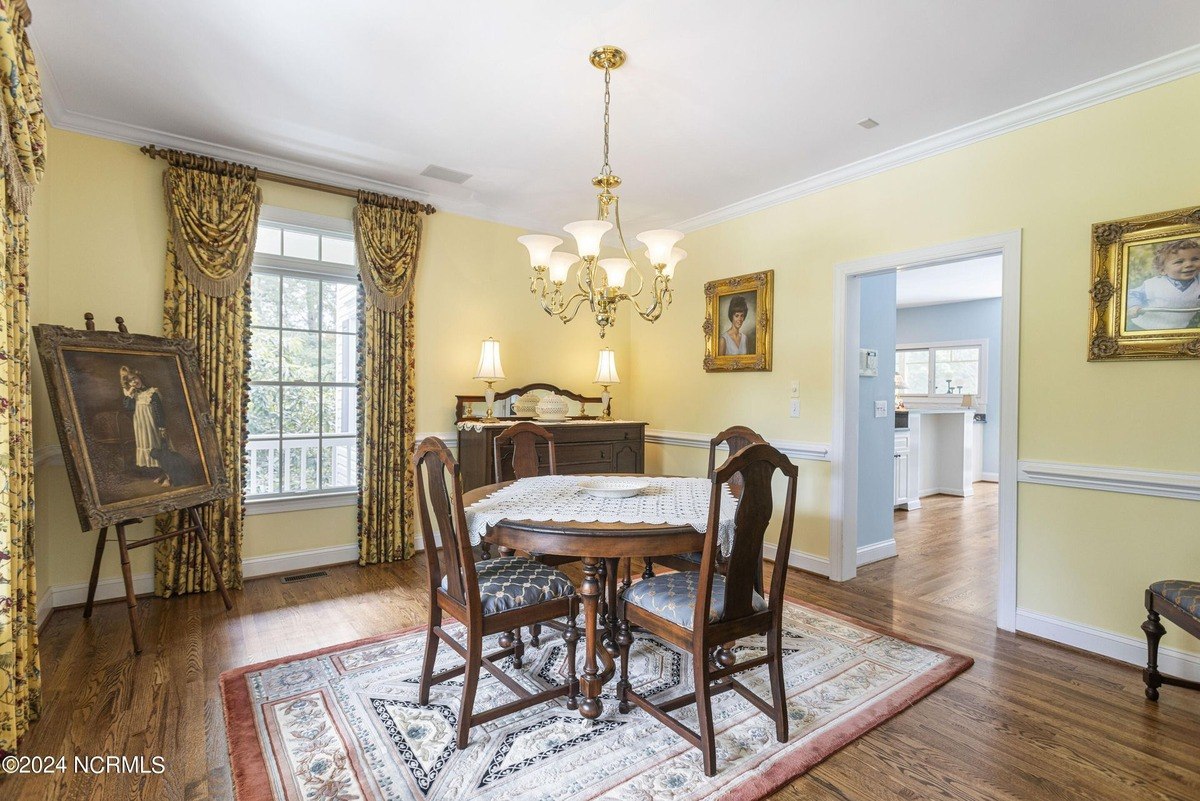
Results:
<point x="98" y="242"/>
<point x="1084" y="556"/>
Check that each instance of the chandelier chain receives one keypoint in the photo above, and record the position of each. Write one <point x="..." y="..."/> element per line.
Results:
<point x="606" y="169"/>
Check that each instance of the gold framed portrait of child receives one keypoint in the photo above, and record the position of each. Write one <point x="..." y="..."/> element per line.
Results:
<point x="1146" y="287"/>
<point x="737" y="328"/>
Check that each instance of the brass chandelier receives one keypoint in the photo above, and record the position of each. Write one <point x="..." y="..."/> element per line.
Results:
<point x="602" y="282"/>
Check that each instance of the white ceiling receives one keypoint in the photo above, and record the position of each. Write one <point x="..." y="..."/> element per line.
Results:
<point x="955" y="282"/>
<point x="718" y="102"/>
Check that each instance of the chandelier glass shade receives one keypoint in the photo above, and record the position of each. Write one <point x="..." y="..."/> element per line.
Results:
<point x="603" y="284"/>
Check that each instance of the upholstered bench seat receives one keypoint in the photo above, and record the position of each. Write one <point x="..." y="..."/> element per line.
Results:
<point x="1184" y="594"/>
<point x="508" y="582"/>
<point x="673" y="597"/>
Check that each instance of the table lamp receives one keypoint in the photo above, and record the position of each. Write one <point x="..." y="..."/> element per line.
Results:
<point x="489" y="370"/>
<point x="606" y="374"/>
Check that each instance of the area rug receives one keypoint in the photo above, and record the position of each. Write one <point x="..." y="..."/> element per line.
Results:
<point x="344" y="723"/>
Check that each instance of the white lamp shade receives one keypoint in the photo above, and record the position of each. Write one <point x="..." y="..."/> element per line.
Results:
<point x="540" y="247"/>
<point x="968" y="401"/>
<point x="606" y="370"/>
<point x="900" y="382"/>
<point x="560" y="265"/>
<point x="588" y="234"/>
<point x="489" y="368"/>
<point x="659" y="243"/>
<point x="677" y="255"/>
<point x="616" y="269"/>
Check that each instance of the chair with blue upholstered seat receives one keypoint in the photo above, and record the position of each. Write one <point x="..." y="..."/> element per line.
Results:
<point x="491" y="597"/>
<point x="734" y="438"/>
<point x="698" y="611"/>
<point x="1178" y="600"/>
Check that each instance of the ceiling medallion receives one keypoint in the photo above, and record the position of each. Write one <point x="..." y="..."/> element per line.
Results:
<point x="602" y="282"/>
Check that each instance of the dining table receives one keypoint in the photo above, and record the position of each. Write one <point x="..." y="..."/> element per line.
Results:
<point x="557" y="515"/>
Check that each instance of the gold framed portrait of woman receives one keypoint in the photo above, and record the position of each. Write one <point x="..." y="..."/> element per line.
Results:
<point x="1146" y="287"/>
<point x="737" y="326"/>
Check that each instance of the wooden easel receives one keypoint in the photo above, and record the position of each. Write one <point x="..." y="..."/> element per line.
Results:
<point x="197" y="527"/>
<point x="124" y="545"/>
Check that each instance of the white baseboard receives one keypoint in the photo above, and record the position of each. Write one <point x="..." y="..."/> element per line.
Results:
<point x="299" y="560"/>
<point x="957" y="492"/>
<point x="1107" y="643"/>
<point x="108" y="589"/>
<point x="991" y="478"/>
<point x="876" y="551"/>
<point x="800" y="559"/>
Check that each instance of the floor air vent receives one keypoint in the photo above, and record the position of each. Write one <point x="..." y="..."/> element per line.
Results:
<point x="292" y="579"/>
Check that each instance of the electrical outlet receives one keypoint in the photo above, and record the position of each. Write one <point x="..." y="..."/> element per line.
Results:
<point x="795" y="389"/>
<point x="881" y="408"/>
<point x="795" y="407"/>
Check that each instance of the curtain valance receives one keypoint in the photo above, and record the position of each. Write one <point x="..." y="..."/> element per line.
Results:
<point x="387" y="232"/>
<point x="23" y="139"/>
<point x="212" y="210"/>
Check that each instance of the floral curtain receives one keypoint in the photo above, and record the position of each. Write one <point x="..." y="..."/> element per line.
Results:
<point x="22" y="159"/>
<point x="212" y="210"/>
<point x="388" y="234"/>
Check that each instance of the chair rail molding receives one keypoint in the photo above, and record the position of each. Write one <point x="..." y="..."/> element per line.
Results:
<point x="1129" y="480"/>
<point x="805" y="451"/>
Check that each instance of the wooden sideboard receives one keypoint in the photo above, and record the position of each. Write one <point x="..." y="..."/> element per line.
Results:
<point x="583" y="447"/>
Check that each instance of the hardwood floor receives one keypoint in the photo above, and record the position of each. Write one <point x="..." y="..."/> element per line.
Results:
<point x="1030" y="720"/>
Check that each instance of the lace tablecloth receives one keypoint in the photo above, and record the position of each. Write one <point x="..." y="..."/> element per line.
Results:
<point x="673" y="501"/>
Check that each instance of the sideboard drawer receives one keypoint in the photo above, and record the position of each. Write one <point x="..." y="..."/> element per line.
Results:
<point x="577" y="453"/>
<point x="594" y="432"/>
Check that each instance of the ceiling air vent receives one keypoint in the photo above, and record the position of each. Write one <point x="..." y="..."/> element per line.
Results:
<point x="445" y="174"/>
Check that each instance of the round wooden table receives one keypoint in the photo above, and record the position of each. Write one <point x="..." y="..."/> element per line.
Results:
<point x="593" y="543"/>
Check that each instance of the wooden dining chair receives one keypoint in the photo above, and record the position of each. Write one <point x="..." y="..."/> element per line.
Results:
<point x="491" y="597"/>
<point x="698" y="611"/>
<point x="736" y="438"/>
<point x="524" y="438"/>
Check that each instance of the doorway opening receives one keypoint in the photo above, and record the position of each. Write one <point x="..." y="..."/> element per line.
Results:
<point x="935" y="331"/>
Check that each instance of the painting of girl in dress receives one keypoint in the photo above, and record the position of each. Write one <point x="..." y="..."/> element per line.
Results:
<point x="738" y="324"/>
<point x="134" y="422"/>
<point x="738" y="338"/>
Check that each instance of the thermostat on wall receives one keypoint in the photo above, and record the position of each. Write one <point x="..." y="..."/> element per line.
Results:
<point x="868" y="362"/>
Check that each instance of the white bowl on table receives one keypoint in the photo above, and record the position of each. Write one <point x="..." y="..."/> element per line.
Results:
<point x="613" y="487"/>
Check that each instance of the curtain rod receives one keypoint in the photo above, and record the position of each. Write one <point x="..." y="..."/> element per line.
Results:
<point x="163" y="153"/>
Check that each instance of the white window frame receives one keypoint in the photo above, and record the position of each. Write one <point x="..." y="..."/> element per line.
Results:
<point x="934" y="398"/>
<point x="303" y="268"/>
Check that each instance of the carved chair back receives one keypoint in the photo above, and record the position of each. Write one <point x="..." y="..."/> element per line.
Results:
<point x="756" y="465"/>
<point x="440" y="511"/>
<point x="736" y="437"/>
<point x="525" y="437"/>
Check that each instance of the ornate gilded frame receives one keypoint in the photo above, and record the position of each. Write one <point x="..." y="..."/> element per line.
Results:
<point x="1109" y="338"/>
<point x="52" y="341"/>
<point x="763" y="284"/>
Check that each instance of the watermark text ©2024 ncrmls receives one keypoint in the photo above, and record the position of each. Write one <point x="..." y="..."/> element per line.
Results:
<point x="95" y="763"/>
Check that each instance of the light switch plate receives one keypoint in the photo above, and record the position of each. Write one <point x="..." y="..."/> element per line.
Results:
<point x="795" y="407"/>
<point x="881" y="408"/>
<point x="795" y="389"/>
<point x="868" y="363"/>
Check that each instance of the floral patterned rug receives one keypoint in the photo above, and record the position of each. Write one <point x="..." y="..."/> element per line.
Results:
<point x="344" y="723"/>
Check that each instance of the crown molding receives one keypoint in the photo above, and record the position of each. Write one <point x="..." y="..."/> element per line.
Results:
<point x="1162" y="70"/>
<point x="63" y="118"/>
<point x="1173" y="66"/>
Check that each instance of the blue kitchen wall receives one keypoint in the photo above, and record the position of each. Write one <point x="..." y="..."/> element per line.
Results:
<point x="876" y="435"/>
<point x="951" y="322"/>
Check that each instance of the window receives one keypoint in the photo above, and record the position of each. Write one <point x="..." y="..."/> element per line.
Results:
<point x="941" y="369"/>
<point x="302" y="416"/>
